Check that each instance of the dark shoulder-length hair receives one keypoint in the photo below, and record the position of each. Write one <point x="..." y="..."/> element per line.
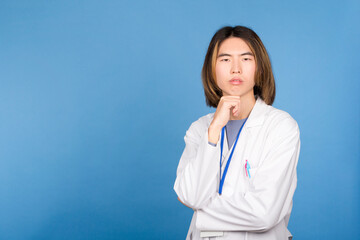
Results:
<point x="264" y="78"/>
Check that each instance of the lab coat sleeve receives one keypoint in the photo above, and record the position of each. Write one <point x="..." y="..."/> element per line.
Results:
<point x="271" y="189"/>
<point x="197" y="171"/>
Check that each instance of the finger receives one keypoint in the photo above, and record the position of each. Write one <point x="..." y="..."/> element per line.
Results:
<point x="232" y="107"/>
<point x="230" y="97"/>
<point x="235" y="112"/>
<point x="237" y="107"/>
<point x="236" y="100"/>
<point x="232" y="103"/>
<point x="227" y="98"/>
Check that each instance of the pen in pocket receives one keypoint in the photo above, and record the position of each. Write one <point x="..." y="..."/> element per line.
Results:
<point x="247" y="169"/>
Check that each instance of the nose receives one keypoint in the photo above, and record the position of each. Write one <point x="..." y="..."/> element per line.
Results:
<point x="236" y="67"/>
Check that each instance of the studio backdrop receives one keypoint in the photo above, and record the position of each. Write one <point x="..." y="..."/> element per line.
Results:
<point x="96" y="97"/>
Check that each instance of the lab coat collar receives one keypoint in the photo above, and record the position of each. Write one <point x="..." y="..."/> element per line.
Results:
<point x="257" y="114"/>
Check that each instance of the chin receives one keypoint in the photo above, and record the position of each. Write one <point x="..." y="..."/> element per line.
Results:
<point x="237" y="94"/>
<point x="245" y="94"/>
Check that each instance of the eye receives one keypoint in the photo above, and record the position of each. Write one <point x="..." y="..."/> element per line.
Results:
<point x="224" y="60"/>
<point x="247" y="59"/>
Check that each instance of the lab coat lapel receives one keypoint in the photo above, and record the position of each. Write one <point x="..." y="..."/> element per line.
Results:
<point x="255" y="119"/>
<point x="257" y="114"/>
<point x="226" y="151"/>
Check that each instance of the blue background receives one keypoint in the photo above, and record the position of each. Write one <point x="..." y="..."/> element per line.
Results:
<point x="96" y="96"/>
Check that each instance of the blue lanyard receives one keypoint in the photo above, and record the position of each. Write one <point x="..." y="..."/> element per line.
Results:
<point x="222" y="179"/>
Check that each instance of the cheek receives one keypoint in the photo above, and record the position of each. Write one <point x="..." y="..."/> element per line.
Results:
<point x="253" y="67"/>
<point x="219" y="72"/>
<point x="253" y="71"/>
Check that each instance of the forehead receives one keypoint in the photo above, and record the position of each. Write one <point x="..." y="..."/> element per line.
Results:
<point x="234" y="45"/>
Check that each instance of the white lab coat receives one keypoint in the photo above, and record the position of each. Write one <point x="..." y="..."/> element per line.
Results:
<point x="252" y="208"/>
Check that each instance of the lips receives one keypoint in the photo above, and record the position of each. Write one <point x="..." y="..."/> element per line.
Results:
<point x="236" y="81"/>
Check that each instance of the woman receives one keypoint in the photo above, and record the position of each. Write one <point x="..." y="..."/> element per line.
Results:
<point x="238" y="169"/>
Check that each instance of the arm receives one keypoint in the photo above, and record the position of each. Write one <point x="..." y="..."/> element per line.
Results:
<point x="184" y="204"/>
<point x="199" y="165"/>
<point x="270" y="193"/>
<point x="196" y="179"/>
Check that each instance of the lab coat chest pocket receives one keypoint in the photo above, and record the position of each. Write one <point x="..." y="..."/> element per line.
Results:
<point x="253" y="155"/>
<point x="249" y="181"/>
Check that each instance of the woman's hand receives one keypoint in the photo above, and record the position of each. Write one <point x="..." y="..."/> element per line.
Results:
<point x="227" y="105"/>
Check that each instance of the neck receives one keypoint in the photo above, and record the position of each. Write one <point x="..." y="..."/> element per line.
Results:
<point x="246" y="105"/>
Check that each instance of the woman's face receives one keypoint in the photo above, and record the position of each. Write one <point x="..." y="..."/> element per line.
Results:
<point x="235" y="68"/>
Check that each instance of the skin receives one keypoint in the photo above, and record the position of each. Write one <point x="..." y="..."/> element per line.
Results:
<point x="234" y="60"/>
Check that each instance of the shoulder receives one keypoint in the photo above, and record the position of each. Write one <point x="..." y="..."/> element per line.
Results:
<point x="280" y="121"/>
<point x="270" y="117"/>
<point x="278" y="115"/>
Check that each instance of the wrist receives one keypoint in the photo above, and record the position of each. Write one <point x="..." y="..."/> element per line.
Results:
<point x="214" y="134"/>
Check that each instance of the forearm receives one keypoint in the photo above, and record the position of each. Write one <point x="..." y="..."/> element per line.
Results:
<point x="214" y="133"/>
<point x="196" y="182"/>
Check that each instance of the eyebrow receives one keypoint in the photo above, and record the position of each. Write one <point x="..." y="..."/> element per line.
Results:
<point x="229" y="55"/>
